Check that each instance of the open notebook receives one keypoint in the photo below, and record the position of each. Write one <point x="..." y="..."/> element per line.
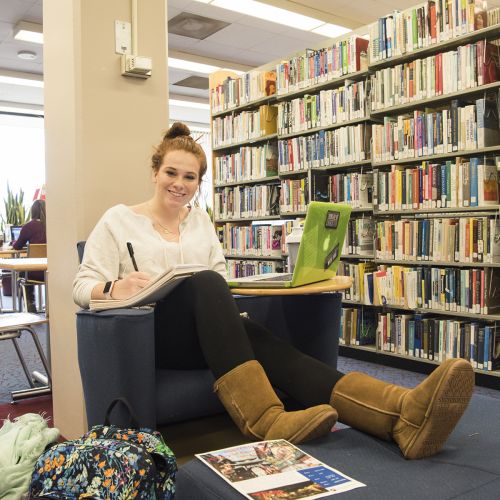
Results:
<point x="319" y="250"/>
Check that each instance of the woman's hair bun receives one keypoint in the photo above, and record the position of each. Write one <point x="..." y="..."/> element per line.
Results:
<point x="178" y="129"/>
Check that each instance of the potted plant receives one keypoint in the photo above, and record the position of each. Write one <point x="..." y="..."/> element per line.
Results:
<point x="15" y="214"/>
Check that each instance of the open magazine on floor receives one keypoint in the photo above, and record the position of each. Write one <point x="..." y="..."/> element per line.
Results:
<point x="155" y="290"/>
<point x="276" y="469"/>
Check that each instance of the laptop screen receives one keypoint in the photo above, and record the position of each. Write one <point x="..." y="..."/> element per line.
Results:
<point x="14" y="232"/>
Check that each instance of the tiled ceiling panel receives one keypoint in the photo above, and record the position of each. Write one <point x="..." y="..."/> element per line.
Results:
<point x="193" y="82"/>
<point x="195" y="26"/>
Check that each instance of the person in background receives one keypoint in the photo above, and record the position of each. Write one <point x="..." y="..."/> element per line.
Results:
<point x="33" y="232"/>
<point x="198" y="325"/>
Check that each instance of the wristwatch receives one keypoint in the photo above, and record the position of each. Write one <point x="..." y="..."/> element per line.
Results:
<point x="108" y="288"/>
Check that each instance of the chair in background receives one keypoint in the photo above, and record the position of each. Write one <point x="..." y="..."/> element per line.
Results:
<point x="116" y="355"/>
<point x="34" y="251"/>
<point x="12" y="325"/>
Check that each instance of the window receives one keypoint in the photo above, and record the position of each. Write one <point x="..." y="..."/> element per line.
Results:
<point x="22" y="156"/>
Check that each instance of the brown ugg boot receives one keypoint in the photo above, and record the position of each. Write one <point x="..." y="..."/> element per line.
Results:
<point x="420" y="419"/>
<point x="250" y="400"/>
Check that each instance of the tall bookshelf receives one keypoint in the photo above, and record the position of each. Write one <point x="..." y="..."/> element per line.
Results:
<point x="421" y="248"/>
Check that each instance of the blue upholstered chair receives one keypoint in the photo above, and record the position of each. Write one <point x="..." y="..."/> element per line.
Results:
<point x="116" y="354"/>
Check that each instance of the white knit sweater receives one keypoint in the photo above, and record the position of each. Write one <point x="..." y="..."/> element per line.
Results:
<point x="106" y="257"/>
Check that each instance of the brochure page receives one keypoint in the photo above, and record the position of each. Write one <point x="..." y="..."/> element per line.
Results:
<point x="269" y="470"/>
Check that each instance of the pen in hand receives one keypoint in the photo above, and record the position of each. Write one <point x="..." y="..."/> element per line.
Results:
<point x="131" y="253"/>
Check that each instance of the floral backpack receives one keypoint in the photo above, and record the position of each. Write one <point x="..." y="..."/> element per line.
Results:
<point x="107" y="463"/>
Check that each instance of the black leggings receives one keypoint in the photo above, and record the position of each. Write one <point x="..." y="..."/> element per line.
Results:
<point x="198" y="325"/>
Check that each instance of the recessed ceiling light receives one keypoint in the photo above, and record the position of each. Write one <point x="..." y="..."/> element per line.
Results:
<point x="331" y="30"/>
<point x="191" y="66"/>
<point x="21" y="109"/>
<point x="27" y="54"/>
<point x="25" y="79"/>
<point x="279" y="15"/>
<point x="189" y="104"/>
<point x="269" y="13"/>
<point x="29" y="32"/>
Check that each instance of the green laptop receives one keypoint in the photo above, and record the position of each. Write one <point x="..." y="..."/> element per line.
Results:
<point x="319" y="252"/>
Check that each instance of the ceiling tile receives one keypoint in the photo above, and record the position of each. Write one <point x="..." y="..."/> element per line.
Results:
<point x="254" y="58"/>
<point x="255" y="22"/>
<point x="195" y="26"/>
<point x="16" y="64"/>
<point x="215" y="12"/>
<point x="8" y="55"/>
<point x="18" y="93"/>
<point x="178" y="42"/>
<point x="281" y="47"/>
<point x="173" y="89"/>
<point x="35" y="13"/>
<point x="193" y="82"/>
<point x="218" y="50"/>
<point x="172" y="12"/>
<point x="5" y="31"/>
<point x="15" y="10"/>
<point x="240" y="36"/>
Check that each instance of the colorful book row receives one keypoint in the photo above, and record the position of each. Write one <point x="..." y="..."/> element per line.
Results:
<point x="467" y="67"/>
<point x="469" y="182"/>
<point x="262" y="240"/>
<point x="319" y="66"/>
<point x="457" y="127"/>
<point x="474" y="291"/>
<point x="464" y="239"/>
<point x="423" y="25"/>
<point x="241" y="268"/>
<point x="248" y="163"/>
<point x="439" y="339"/>
<point x="325" y="148"/>
<point x="246" y="201"/>
<point x="323" y="109"/>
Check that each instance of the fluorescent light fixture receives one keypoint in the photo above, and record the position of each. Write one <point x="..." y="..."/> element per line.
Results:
<point x="196" y="128"/>
<point x="205" y="130"/>
<point x="189" y="104"/>
<point x="29" y="32"/>
<point x="191" y="66"/>
<point x="237" y="71"/>
<point x="26" y="82"/>
<point x="198" y="67"/>
<point x="269" y="13"/>
<point x="21" y="110"/>
<point x="331" y="30"/>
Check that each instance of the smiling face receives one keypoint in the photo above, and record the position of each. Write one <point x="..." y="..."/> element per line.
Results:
<point x="177" y="179"/>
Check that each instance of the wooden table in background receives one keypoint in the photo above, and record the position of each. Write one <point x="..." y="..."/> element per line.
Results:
<point x="8" y="251"/>
<point x="22" y="264"/>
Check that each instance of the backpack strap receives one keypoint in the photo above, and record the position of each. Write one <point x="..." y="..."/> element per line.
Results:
<point x="133" y="421"/>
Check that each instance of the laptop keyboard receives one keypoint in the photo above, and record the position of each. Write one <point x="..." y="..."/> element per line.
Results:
<point x="282" y="277"/>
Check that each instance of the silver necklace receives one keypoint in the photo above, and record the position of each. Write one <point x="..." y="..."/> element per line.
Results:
<point x="166" y="230"/>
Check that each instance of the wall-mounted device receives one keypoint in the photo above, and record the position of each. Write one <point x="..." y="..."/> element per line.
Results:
<point x="138" y="66"/>
<point x="131" y="63"/>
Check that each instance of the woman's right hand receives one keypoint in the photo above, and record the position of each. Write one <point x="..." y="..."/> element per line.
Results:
<point x="130" y="285"/>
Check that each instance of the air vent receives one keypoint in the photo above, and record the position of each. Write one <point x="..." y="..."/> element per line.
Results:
<point x="194" y="82"/>
<point x="194" y="26"/>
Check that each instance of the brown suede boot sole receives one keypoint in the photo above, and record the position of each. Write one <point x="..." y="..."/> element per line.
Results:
<point x="318" y="426"/>
<point x="447" y="405"/>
